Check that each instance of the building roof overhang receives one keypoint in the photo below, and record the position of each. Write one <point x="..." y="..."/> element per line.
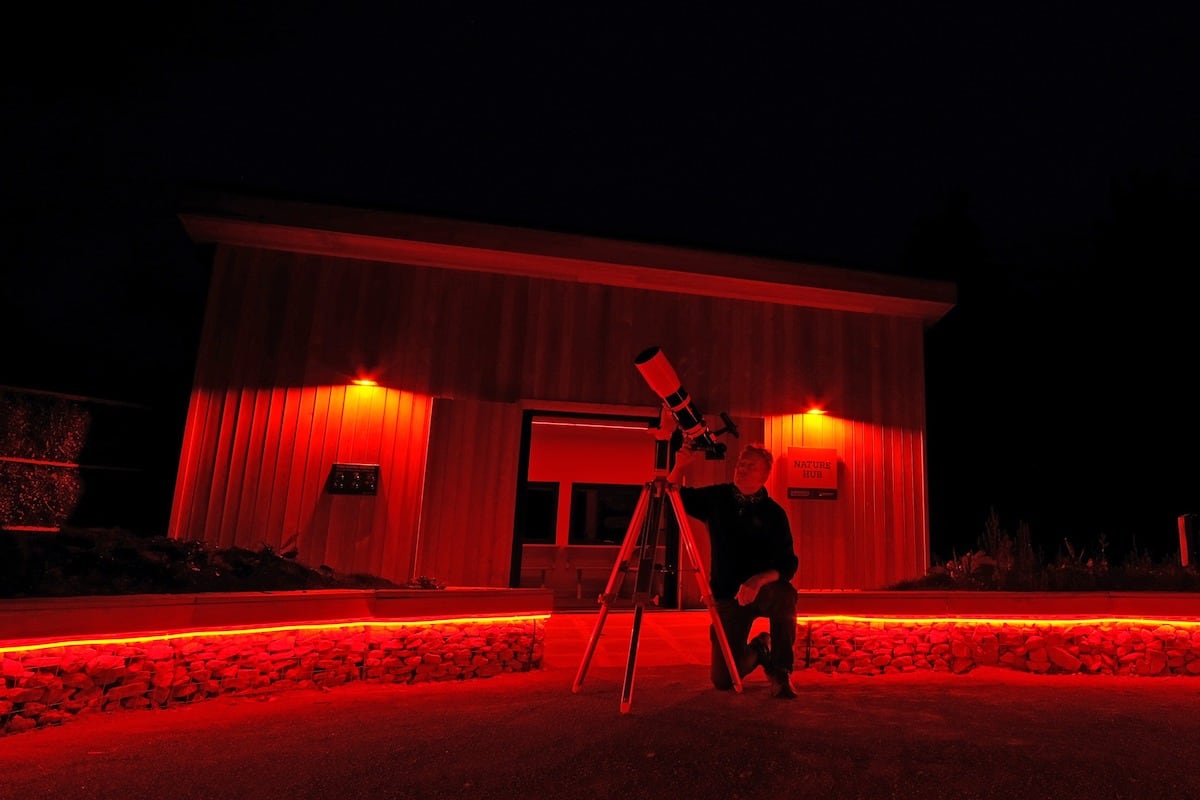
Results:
<point x="453" y="244"/>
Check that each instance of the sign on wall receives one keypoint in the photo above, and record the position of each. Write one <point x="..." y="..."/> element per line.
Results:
<point x="812" y="473"/>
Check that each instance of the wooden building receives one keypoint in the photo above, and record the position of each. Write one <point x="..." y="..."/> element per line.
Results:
<point x="507" y="431"/>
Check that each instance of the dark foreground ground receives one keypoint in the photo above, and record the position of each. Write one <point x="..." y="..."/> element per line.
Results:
<point x="987" y="734"/>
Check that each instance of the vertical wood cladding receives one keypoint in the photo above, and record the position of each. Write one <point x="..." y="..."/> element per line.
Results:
<point x="264" y="484"/>
<point x="470" y="492"/>
<point x="875" y="533"/>
<point x="284" y="334"/>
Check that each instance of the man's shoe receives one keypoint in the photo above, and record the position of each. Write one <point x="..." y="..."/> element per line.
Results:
<point x="782" y="681"/>
<point x="761" y="646"/>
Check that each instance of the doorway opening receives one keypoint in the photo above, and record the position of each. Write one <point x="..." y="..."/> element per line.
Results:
<point x="579" y="481"/>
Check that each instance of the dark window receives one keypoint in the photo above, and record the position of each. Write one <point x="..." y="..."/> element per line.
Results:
<point x="540" y="512"/>
<point x="600" y="512"/>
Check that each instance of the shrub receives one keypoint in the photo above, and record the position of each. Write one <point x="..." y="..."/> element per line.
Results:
<point x="1004" y="562"/>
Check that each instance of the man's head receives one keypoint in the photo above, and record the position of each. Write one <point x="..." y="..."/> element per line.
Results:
<point x="752" y="468"/>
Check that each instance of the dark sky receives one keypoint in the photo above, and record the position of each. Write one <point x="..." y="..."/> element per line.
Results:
<point x="1043" y="160"/>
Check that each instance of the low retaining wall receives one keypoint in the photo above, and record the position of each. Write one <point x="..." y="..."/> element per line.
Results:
<point x="871" y="647"/>
<point x="62" y="657"/>
<point x="870" y="633"/>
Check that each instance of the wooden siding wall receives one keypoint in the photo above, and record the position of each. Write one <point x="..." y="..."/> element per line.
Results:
<point x="285" y="332"/>
<point x="256" y="461"/>
<point x="471" y="493"/>
<point x="876" y="532"/>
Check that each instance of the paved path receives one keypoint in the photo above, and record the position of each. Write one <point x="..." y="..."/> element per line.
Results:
<point x="987" y="734"/>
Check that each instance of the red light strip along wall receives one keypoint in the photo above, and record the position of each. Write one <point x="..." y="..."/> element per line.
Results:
<point x="30" y="646"/>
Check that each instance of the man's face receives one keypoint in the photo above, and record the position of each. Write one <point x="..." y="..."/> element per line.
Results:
<point x="750" y="473"/>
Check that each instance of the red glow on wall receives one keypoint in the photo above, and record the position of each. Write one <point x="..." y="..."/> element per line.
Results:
<point x="274" y="493"/>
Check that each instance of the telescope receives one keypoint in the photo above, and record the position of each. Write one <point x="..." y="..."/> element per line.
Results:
<point x="661" y="377"/>
<point x="648" y="527"/>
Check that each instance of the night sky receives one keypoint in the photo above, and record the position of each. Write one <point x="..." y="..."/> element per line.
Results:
<point x="1043" y="161"/>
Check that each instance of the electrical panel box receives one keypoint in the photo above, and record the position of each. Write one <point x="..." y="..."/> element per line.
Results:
<point x="353" y="479"/>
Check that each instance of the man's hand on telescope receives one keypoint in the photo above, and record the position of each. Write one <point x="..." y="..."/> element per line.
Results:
<point x="685" y="456"/>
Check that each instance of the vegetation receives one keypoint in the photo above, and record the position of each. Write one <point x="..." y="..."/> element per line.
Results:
<point x="1010" y="563"/>
<point x="77" y="562"/>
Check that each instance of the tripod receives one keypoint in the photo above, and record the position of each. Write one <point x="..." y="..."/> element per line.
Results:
<point x="646" y="529"/>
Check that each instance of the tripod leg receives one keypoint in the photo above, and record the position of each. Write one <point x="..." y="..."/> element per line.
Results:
<point x="627" y="686"/>
<point x="591" y="648"/>
<point x="693" y="553"/>
<point x="632" y="535"/>
<point x="643" y="589"/>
